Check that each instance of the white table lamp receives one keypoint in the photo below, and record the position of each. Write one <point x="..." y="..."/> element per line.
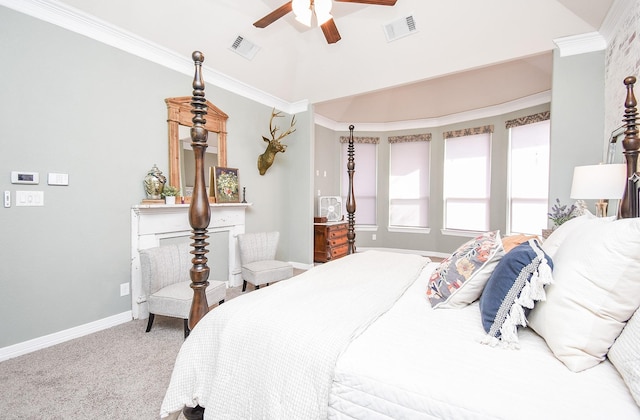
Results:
<point x="599" y="182"/>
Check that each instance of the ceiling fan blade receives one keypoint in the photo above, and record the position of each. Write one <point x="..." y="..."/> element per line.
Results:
<point x="378" y="2"/>
<point x="273" y="16"/>
<point x="330" y="31"/>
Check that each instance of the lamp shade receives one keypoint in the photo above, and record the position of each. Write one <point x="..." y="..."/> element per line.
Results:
<point x="599" y="182"/>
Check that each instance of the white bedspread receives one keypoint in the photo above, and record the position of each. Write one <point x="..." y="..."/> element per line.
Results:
<point x="270" y="354"/>
<point x="418" y="363"/>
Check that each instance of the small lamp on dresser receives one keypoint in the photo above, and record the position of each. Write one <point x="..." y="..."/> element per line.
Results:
<point x="602" y="182"/>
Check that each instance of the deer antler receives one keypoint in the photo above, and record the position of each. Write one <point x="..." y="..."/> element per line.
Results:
<point x="273" y="129"/>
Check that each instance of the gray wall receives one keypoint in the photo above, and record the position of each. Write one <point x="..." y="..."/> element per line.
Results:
<point x="76" y="106"/>
<point x="328" y="156"/>
<point x="577" y="119"/>
<point x="577" y="124"/>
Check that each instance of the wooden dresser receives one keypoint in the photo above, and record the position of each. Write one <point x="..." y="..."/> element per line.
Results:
<point x="329" y="241"/>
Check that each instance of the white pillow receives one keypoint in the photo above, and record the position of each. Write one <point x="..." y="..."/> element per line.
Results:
<point x="553" y="242"/>
<point x="625" y="355"/>
<point x="596" y="289"/>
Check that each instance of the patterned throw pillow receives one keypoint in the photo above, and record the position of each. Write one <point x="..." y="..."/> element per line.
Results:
<point x="512" y="290"/>
<point x="459" y="279"/>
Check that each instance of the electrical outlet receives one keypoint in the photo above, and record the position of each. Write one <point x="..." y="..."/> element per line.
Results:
<point x="373" y="236"/>
<point x="124" y="289"/>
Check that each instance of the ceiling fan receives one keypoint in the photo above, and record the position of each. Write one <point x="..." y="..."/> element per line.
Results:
<point x="307" y="10"/>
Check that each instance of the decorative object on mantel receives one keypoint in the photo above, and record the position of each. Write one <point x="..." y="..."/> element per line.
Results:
<point x="225" y="182"/>
<point x="169" y="193"/>
<point x="244" y="194"/>
<point x="154" y="183"/>
<point x="274" y="146"/>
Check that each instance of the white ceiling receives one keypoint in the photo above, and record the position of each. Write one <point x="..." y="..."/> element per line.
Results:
<point x="466" y="54"/>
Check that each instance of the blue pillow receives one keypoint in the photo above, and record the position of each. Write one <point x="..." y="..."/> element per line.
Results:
<point x="511" y="292"/>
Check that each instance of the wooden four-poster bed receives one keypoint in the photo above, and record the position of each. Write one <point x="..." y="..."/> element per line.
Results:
<point x="363" y="336"/>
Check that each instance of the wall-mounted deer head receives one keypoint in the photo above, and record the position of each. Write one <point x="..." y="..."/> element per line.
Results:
<point x="274" y="146"/>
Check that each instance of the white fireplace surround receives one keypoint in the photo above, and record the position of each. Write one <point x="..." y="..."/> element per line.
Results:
<point x="152" y="223"/>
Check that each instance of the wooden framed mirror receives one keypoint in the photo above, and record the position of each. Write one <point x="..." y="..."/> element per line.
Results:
<point x="179" y="122"/>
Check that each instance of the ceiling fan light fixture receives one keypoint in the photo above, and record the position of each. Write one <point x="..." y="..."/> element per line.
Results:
<point x="322" y="9"/>
<point x="302" y="10"/>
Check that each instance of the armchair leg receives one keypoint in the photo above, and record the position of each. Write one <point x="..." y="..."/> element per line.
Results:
<point x="244" y="285"/>
<point x="186" y="328"/>
<point x="150" y="323"/>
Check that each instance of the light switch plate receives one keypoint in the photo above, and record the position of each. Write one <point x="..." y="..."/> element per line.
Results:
<point x="7" y="198"/>
<point x="29" y="198"/>
<point x="58" y="179"/>
<point x="25" y="177"/>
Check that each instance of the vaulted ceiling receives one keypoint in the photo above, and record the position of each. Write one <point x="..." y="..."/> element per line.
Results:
<point x="465" y="54"/>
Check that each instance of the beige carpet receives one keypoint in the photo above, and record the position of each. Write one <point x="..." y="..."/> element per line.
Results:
<point x="118" y="373"/>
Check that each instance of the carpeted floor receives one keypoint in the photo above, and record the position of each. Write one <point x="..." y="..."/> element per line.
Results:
<point x="118" y="373"/>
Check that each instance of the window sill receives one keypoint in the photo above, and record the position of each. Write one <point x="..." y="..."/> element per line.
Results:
<point x="400" y="229"/>
<point x="465" y="233"/>
<point x="366" y="228"/>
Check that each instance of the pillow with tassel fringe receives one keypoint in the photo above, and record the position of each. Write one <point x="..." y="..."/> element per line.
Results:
<point x="512" y="290"/>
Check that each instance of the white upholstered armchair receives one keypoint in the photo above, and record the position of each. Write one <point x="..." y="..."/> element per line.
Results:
<point x="258" y="258"/>
<point x="167" y="283"/>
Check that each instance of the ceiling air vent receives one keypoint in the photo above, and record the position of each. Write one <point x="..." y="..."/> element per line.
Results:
<point x="245" y="48"/>
<point x="400" y="28"/>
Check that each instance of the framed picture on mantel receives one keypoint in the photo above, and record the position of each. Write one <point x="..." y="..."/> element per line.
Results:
<point x="225" y="185"/>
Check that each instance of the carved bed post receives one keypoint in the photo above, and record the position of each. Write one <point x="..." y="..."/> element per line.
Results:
<point x="631" y="144"/>
<point x="351" y="198"/>
<point x="199" y="210"/>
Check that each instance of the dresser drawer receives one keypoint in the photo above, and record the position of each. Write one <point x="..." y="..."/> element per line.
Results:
<point x="330" y="241"/>
<point x="337" y="232"/>
<point x="339" y="251"/>
<point x="338" y="240"/>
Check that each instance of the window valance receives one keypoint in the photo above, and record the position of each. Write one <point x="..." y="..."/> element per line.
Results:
<point x="410" y="138"/>
<point x="367" y="140"/>
<point x="468" y="132"/>
<point x="529" y="119"/>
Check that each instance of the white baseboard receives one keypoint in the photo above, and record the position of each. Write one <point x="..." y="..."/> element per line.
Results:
<point x="49" y="340"/>
<point x="408" y="251"/>
<point x="301" y="266"/>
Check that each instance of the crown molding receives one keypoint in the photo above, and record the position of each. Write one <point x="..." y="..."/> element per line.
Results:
<point x="487" y="112"/>
<point x="580" y="44"/>
<point x="79" y="22"/>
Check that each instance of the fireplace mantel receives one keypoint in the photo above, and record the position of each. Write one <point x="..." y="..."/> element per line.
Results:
<point x="153" y="222"/>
